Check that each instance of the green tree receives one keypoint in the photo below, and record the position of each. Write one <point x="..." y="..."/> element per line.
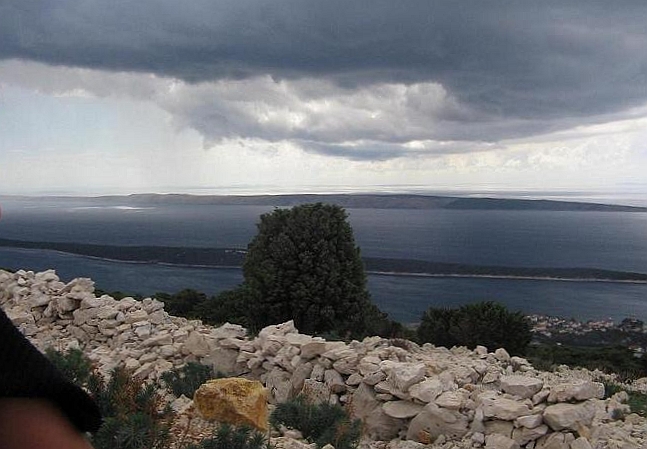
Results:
<point x="228" y="306"/>
<point x="183" y="303"/>
<point x="485" y="323"/>
<point x="304" y="265"/>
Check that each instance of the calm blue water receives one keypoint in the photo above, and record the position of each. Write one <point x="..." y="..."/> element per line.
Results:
<point x="551" y="239"/>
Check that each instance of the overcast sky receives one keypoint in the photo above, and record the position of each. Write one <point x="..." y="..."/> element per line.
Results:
<point x="291" y="95"/>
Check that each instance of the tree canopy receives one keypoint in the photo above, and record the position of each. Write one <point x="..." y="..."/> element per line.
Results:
<point x="304" y="265"/>
<point x="486" y="323"/>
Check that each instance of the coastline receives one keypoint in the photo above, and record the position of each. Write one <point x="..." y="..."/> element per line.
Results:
<point x="511" y="277"/>
<point x="421" y="274"/>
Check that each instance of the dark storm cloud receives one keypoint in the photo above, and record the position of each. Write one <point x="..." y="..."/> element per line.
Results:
<point x="532" y="62"/>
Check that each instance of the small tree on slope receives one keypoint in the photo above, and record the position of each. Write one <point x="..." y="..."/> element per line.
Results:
<point x="486" y="323"/>
<point x="304" y="265"/>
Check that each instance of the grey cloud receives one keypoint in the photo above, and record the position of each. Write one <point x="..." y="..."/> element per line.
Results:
<point x="509" y="68"/>
<point x="382" y="151"/>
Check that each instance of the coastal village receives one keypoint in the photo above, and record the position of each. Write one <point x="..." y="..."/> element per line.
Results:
<point x="630" y="332"/>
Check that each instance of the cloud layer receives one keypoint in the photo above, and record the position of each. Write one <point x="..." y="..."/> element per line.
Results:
<point x="361" y="80"/>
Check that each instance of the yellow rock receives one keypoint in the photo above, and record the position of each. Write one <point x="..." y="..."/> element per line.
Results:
<point x="233" y="400"/>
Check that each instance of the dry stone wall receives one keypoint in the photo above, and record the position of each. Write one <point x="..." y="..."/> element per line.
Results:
<point x="405" y="394"/>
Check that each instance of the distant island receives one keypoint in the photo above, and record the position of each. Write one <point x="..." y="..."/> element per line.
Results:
<point x="234" y="258"/>
<point x="350" y="201"/>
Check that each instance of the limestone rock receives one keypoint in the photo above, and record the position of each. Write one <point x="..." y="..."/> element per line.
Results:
<point x="502" y="355"/>
<point x="401" y="409"/>
<point x="453" y="400"/>
<point x="233" y="400"/>
<point x="427" y="390"/>
<point x="522" y="386"/>
<point x="496" y="441"/>
<point x="313" y="349"/>
<point x="503" y="408"/>
<point x="433" y="421"/>
<point x="581" y="443"/>
<point x="334" y="381"/>
<point x="578" y="390"/>
<point x="403" y="375"/>
<point x="569" y="416"/>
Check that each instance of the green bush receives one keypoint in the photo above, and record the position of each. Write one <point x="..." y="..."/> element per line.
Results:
<point x="73" y="364"/>
<point x="485" y="323"/>
<point x="116" y="294"/>
<point x="182" y="303"/>
<point x="319" y="423"/>
<point x="228" y="306"/>
<point x="611" y="359"/>
<point x="229" y="437"/>
<point x="187" y="379"/>
<point x="637" y="401"/>
<point x="134" y="414"/>
<point x="303" y="265"/>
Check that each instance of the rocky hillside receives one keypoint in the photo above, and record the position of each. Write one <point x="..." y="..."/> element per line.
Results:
<point x="407" y="396"/>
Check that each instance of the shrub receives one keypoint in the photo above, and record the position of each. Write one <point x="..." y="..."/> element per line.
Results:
<point x="485" y="323"/>
<point x="73" y="364"/>
<point x="187" y="379"/>
<point x="229" y="437"/>
<point x="610" y="359"/>
<point x="637" y="400"/>
<point x="319" y="423"/>
<point x="116" y="294"/>
<point x="134" y="416"/>
<point x="228" y="306"/>
<point x="182" y="303"/>
<point x="303" y="265"/>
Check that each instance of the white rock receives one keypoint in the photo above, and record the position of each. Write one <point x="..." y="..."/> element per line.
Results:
<point x="334" y="381"/>
<point x="136" y="316"/>
<point x="530" y="421"/>
<point x="581" y="443"/>
<point x="450" y="399"/>
<point x="401" y="409"/>
<point x="403" y="375"/>
<point x="503" y="408"/>
<point x="522" y="386"/>
<point x="577" y="390"/>
<point x="496" y="441"/>
<point x="502" y="355"/>
<point x="427" y="390"/>
<point x="312" y="349"/>
<point x="434" y="421"/>
<point x="569" y="416"/>
<point x="524" y="435"/>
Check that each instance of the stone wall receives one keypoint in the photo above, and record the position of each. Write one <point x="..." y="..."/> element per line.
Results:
<point x="425" y="394"/>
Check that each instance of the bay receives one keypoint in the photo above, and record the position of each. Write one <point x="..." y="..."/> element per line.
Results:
<point x="616" y="241"/>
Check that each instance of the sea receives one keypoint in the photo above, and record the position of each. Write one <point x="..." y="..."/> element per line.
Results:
<point x="605" y="240"/>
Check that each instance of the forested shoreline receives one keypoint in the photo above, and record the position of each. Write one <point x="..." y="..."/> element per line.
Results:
<point x="234" y="257"/>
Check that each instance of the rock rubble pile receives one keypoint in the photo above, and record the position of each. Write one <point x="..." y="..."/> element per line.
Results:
<point x="407" y="396"/>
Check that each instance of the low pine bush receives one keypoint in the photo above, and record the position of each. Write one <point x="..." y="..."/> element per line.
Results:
<point x="319" y="423"/>
<point x="229" y="437"/>
<point x="73" y="364"/>
<point x="134" y="415"/>
<point x="187" y="379"/>
<point x="637" y="400"/>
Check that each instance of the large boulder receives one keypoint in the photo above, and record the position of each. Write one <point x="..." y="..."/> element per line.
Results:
<point x="522" y="386"/>
<point x="569" y="416"/>
<point x="434" y="421"/>
<point x="579" y="390"/>
<point x="233" y="400"/>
